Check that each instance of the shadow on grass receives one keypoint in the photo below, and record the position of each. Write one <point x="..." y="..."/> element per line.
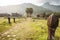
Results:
<point x="57" y="38"/>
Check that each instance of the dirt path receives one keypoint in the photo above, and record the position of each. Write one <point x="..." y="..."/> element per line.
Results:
<point x="20" y="29"/>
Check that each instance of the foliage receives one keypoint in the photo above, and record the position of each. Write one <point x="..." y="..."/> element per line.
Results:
<point x="29" y="11"/>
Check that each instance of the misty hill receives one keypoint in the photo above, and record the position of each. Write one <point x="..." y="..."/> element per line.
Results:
<point x="54" y="8"/>
<point x="22" y="7"/>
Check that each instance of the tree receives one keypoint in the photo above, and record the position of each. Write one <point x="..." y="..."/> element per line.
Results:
<point x="44" y="14"/>
<point x="29" y="11"/>
<point x="52" y="23"/>
<point x="38" y="15"/>
<point x="14" y="20"/>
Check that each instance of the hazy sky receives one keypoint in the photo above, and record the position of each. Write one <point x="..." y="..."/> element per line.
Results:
<point x="36" y="2"/>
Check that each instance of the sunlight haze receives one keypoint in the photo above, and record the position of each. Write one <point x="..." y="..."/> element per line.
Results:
<point x="14" y="2"/>
<point x="36" y="2"/>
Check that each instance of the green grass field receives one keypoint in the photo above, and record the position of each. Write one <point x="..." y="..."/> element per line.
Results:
<point x="4" y="25"/>
<point x="27" y="30"/>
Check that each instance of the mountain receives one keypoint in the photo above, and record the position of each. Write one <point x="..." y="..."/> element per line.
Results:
<point x="22" y="7"/>
<point x="54" y="8"/>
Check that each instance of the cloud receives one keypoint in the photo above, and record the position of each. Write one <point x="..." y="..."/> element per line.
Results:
<point x="55" y="2"/>
<point x="13" y="2"/>
<point x="36" y="2"/>
<point x="50" y="1"/>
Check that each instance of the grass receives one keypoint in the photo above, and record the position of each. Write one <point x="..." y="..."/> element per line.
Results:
<point x="4" y="25"/>
<point x="29" y="30"/>
<point x="38" y="30"/>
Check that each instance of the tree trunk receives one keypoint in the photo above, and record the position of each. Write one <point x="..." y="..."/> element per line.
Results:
<point x="9" y="20"/>
<point x="14" y="20"/>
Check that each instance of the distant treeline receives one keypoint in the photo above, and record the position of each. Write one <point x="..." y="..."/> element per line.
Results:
<point x="45" y="15"/>
<point x="10" y="15"/>
<point x="40" y="15"/>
